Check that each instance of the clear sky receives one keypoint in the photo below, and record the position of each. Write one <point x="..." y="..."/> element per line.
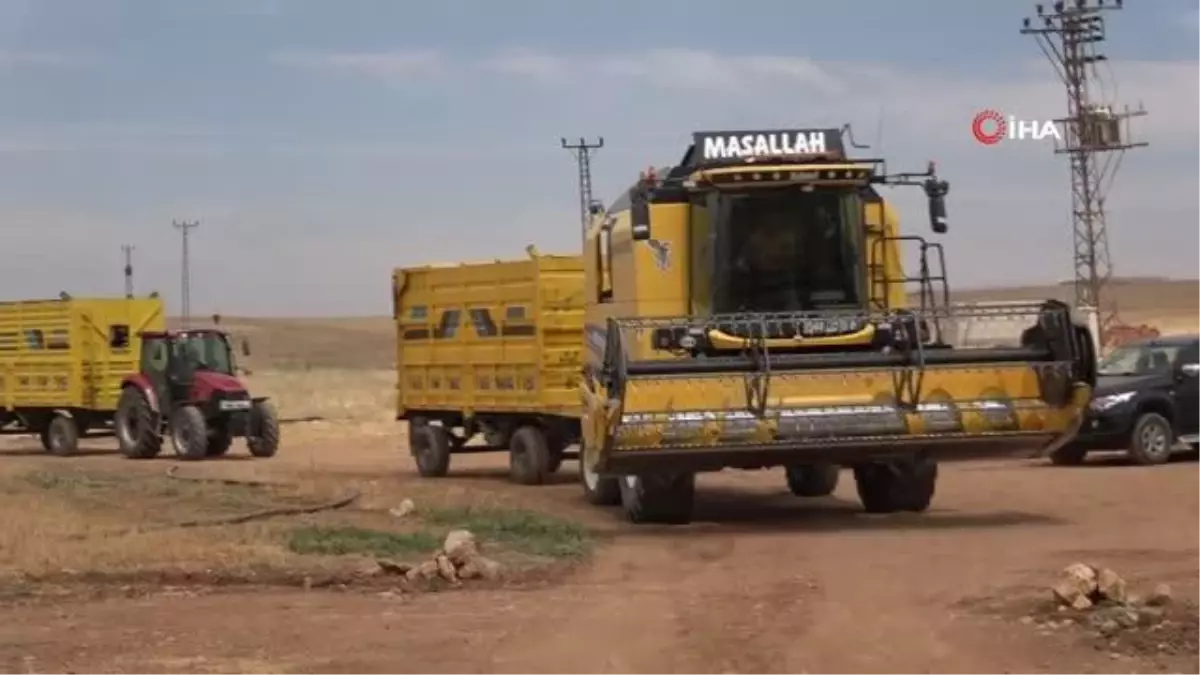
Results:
<point x="323" y="143"/>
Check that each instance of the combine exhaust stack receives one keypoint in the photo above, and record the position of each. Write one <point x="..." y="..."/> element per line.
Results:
<point x="788" y="393"/>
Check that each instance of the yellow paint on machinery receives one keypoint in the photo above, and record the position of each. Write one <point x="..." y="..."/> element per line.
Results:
<point x="62" y="362"/>
<point x="654" y="260"/>
<point x="489" y="337"/>
<point x="71" y="353"/>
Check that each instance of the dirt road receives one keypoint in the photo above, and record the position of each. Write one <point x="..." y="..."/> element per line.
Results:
<point x="762" y="582"/>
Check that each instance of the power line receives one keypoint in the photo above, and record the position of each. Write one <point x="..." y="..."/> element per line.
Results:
<point x="583" y="152"/>
<point x="127" y="249"/>
<point x="185" y="279"/>
<point x="1095" y="141"/>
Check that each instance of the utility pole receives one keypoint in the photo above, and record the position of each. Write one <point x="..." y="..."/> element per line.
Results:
<point x="1095" y="141"/>
<point x="185" y="301"/>
<point x="583" y="152"/>
<point x="127" y="249"/>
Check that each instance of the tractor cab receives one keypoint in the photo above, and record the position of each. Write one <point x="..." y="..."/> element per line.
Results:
<point x="191" y="366"/>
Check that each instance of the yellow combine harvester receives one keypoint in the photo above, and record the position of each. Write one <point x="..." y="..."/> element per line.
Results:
<point x="748" y="308"/>
<point x="490" y="349"/>
<point x="62" y="363"/>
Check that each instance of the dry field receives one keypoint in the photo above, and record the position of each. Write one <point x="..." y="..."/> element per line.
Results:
<point x="108" y="565"/>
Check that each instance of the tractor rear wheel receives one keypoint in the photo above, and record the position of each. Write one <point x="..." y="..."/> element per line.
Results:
<point x="900" y="485"/>
<point x="812" y="480"/>
<point x="189" y="433"/>
<point x="264" y="425"/>
<point x="137" y="426"/>
<point x="61" y="437"/>
<point x="430" y="448"/>
<point x="529" y="458"/>
<point x="659" y="498"/>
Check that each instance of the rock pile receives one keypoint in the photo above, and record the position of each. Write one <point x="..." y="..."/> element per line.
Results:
<point x="459" y="559"/>
<point x="1104" y="595"/>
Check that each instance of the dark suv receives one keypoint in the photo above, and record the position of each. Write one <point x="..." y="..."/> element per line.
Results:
<point x="1147" y="401"/>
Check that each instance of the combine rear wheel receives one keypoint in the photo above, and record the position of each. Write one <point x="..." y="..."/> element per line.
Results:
<point x="812" y="480"/>
<point x="658" y="498"/>
<point x="900" y="485"/>
<point x="430" y="447"/>
<point x="61" y="436"/>
<point x="137" y="425"/>
<point x="529" y="456"/>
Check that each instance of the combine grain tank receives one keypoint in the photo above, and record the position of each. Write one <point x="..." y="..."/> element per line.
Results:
<point x="490" y="350"/>
<point x="62" y="363"/>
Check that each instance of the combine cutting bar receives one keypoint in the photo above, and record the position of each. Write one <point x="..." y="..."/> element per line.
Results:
<point x="880" y="387"/>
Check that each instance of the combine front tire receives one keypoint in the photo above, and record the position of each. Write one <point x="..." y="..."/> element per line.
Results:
<point x="1071" y="454"/>
<point x="189" y="433"/>
<point x="812" y="480"/>
<point x="61" y="437"/>
<point x="430" y="448"/>
<point x="264" y="423"/>
<point x="137" y="425"/>
<point x="900" y="485"/>
<point x="598" y="490"/>
<point x="529" y="456"/>
<point x="658" y="498"/>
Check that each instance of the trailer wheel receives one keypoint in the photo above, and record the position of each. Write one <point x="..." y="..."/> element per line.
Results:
<point x="598" y="490"/>
<point x="189" y="434"/>
<point x="557" y="444"/>
<point x="812" y="480"/>
<point x="900" y="485"/>
<point x="137" y="425"/>
<point x="430" y="448"/>
<point x="264" y="424"/>
<point x="658" y="498"/>
<point x="61" y="436"/>
<point x="529" y="456"/>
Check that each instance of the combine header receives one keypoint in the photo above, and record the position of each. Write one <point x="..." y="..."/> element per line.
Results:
<point x="748" y="308"/>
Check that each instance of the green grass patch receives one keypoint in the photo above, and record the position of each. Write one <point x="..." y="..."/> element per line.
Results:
<point x="525" y="531"/>
<point x="347" y="540"/>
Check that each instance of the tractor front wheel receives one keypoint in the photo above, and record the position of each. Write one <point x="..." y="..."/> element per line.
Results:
<point x="61" y="437"/>
<point x="264" y="442"/>
<point x="137" y="425"/>
<point x="189" y="433"/>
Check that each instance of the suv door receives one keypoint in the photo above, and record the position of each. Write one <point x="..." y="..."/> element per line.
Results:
<point x="1187" y="392"/>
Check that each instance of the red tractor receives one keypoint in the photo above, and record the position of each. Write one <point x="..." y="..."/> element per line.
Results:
<point x="187" y="388"/>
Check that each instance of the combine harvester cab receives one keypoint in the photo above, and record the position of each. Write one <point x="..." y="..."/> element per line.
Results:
<point x="748" y="308"/>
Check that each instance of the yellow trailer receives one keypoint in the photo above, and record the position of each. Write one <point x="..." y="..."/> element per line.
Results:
<point x="62" y="362"/>
<point x="490" y="349"/>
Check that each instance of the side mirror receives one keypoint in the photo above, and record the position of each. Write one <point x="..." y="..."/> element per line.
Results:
<point x="1190" y="369"/>
<point x="245" y="347"/>
<point x="639" y="214"/>
<point x="936" y="191"/>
